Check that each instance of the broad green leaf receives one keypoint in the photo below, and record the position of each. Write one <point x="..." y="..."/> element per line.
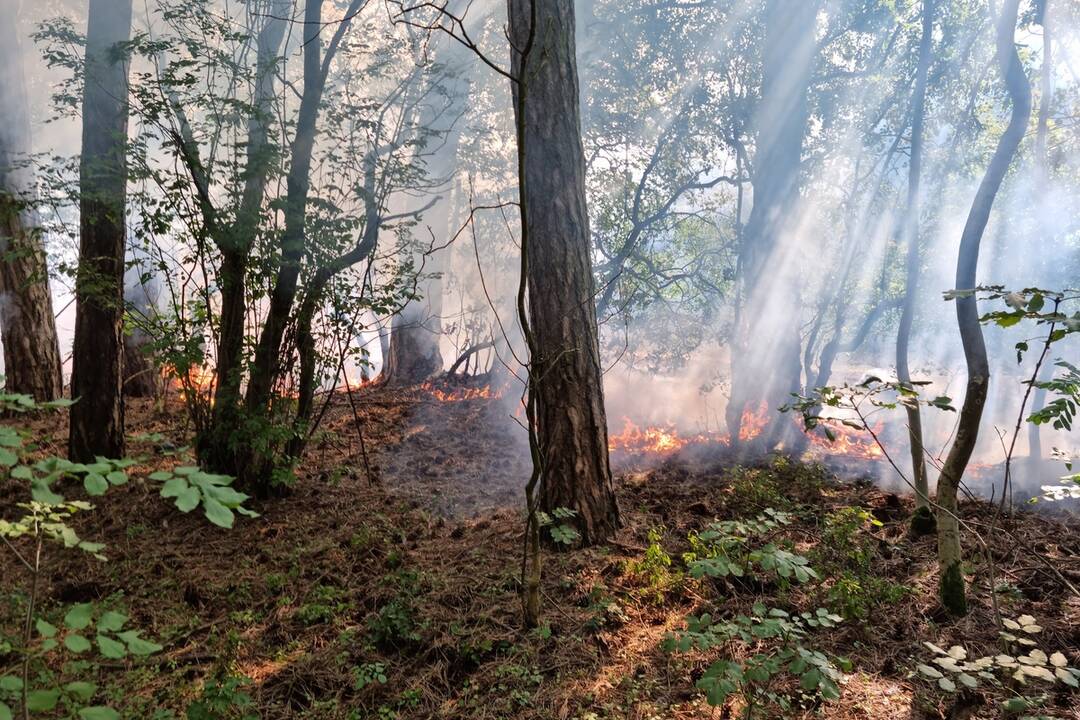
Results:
<point x="117" y="477"/>
<point x="83" y="691"/>
<point x="10" y="683"/>
<point x="98" y="712"/>
<point x="76" y="643"/>
<point x="8" y="458"/>
<point x="42" y="700"/>
<point x="110" y="648"/>
<point x="188" y="500"/>
<point x="5" y="712"/>
<point x="111" y="621"/>
<point x="946" y="684"/>
<point x="78" y="617"/>
<point x="930" y="672"/>
<point x="95" y="484"/>
<point x="137" y="645"/>
<point x="45" y="629"/>
<point x="217" y="513"/>
<point x="160" y="475"/>
<point x="173" y="487"/>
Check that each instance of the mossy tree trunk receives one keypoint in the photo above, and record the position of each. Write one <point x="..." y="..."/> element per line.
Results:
<point x="951" y="578"/>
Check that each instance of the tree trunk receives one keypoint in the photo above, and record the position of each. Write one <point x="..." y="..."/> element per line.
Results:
<point x="414" y="354"/>
<point x="571" y="423"/>
<point x="766" y="365"/>
<point x="216" y="444"/>
<point x="911" y="285"/>
<point x="31" y="350"/>
<point x="1042" y="182"/>
<point x="97" y="417"/>
<point x="951" y="577"/>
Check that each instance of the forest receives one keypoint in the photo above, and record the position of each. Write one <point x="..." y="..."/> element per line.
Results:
<point x="542" y="359"/>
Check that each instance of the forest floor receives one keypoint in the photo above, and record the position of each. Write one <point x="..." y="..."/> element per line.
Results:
<point x="396" y="596"/>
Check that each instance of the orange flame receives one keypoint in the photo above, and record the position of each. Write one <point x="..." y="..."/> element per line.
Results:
<point x="650" y="440"/>
<point x="462" y="393"/>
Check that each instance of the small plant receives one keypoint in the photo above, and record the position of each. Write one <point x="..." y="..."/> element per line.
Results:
<point x="190" y="487"/>
<point x="654" y="569"/>
<point x="367" y="674"/>
<point x="951" y="669"/>
<point x="723" y="549"/>
<point x="847" y="557"/>
<point x="561" y="531"/>
<point x="223" y="699"/>
<point x="755" y="678"/>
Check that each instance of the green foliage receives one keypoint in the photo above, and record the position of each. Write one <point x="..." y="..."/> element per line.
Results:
<point x="771" y="643"/>
<point x="223" y="699"/>
<point x="190" y="487"/>
<point x="654" y="569"/>
<point x="724" y="549"/>
<point x="561" y="531"/>
<point x="850" y="563"/>
<point x="367" y="674"/>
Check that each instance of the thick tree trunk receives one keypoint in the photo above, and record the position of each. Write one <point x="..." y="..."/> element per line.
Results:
<point x="765" y="360"/>
<point x="570" y="417"/>
<point x="31" y="350"/>
<point x="97" y="418"/>
<point x="911" y="286"/>
<point x="414" y="354"/>
<point x="951" y="577"/>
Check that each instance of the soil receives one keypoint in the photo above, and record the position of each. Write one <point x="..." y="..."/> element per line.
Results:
<point x="389" y="588"/>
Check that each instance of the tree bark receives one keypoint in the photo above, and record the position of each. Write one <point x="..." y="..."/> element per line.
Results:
<point x="765" y="360"/>
<point x="911" y="237"/>
<point x="97" y="417"/>
<point x="1042" y="182"/>
<point x="31" y="350"/>
<point x="951" y="578"/>
<point x="571" y="423"/>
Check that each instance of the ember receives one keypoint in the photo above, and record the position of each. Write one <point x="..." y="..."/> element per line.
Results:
<point x="461" y="393"/>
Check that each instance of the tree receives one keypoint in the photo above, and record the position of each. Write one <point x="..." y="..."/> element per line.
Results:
<point x="565" y="364"/>
<point x="911" y="237"/>
<point x="97" y="417"/>
<point x="765" y="358"/>
<point x="31" y="349"/>
<point x="951" y="578"/>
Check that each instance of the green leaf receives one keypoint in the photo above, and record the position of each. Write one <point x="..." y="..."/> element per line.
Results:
<point x="160" y="475"/>
<point x="78" y="617"/>
<point x="22" y="472"/>
<point x="10" y="683"/>
<point x="217" y="513"/>
<point x="174" y="487"/>
<point x="111" y="621"/>
<point x="98" y="712"/>
<point x="8" y="458"/>
<point x="82" y="691"/>
<point x="95" y="484"/>
<point x="811" y="679"/>
<point x="117" y="477"/>
<point x="45" y="629"/>
<point x="110" y="648"/>
<point x="76" y="643"/>
<point x="42" y="700"/>
<point x="137" y="645"/>
<point x="5" y="712"/>
<point x="1016" y="704"/>
<point x="188" y="500"/>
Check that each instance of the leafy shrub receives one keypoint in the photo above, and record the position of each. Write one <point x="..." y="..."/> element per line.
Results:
<point x="776" y="638"/>
<point x="723" y="549"/>
<point x="654" y="569"/>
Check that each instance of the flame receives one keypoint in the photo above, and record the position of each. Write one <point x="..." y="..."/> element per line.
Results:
<point x="198" y="379"/>
<point x="849" y="442"/>
<point x="753" y="422"/>
<point x="650" y="440"/>
<point x="461" y="393"/>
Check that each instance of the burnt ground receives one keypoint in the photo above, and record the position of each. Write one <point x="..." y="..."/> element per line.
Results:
<point x="410" y="581"/>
